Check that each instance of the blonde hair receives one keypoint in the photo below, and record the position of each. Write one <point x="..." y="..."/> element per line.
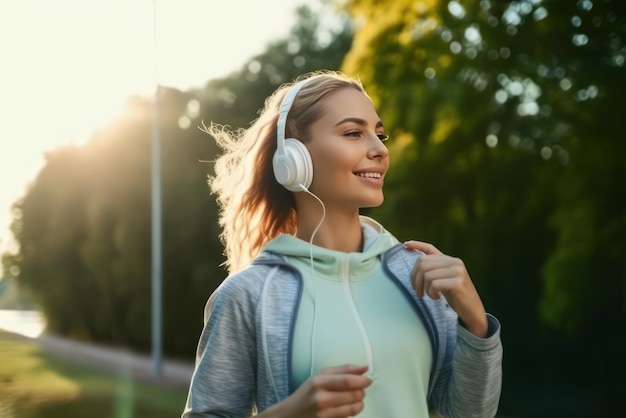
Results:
<point x="253" y="207"/>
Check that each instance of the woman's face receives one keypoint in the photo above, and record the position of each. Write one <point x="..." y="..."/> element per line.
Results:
<point x="349" y="157"/>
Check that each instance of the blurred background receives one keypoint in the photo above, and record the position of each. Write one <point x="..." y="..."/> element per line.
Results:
<point x="507" y="146"/>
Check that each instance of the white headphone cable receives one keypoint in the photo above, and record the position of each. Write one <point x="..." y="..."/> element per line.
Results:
<point x="313" y="330"/>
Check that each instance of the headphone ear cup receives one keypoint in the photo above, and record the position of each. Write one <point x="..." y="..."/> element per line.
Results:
<point x="294" y="168"/>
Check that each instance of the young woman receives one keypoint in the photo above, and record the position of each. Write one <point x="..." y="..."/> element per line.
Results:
<point x="324" y="313"/>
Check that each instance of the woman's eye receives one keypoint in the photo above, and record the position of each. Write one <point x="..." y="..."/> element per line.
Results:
<point x="359" y="134"/>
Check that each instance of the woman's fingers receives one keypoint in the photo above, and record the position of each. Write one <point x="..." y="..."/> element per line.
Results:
<point x="344" y="369"/>
<point x="424" y="247"/>
<point x="417" y="274"/>
<point x="334" y="392"/>
<point x="445" y="286"/>
<point x="328" y="399"/>
<point x="440" y="279"/>
<point x="433" y="266"/>
<point x="434" y="274"/>
<point x="340" y="382"/>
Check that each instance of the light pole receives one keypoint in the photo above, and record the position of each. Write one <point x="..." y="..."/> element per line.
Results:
<point x="156" y="203"/>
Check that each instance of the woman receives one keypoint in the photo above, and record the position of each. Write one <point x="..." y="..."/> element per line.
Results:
<point x="324" y="313"/>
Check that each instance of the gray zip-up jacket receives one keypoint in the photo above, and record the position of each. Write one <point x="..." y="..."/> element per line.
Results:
<point x="243" y="361"/>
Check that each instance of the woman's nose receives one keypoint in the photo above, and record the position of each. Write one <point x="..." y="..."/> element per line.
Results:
<point x="377" y="148"/>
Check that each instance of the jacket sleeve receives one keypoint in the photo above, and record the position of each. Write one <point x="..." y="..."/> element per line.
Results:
<point x="224" y="380"/>
<point x="471" y="379"/>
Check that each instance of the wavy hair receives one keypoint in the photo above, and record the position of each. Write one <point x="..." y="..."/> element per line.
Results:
<point x="253" y="207"/>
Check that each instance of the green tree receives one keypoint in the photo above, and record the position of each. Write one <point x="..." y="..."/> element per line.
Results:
<point x="506" y="118"/>
<point x="84" y="232"/>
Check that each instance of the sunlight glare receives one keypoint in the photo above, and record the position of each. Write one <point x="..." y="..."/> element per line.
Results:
<point x="69" y="66"/>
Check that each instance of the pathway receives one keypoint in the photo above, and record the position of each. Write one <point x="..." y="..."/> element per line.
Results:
<point x="140" y="366"/>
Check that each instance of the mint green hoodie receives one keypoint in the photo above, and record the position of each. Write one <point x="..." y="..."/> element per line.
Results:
<point x="352" y="313"/>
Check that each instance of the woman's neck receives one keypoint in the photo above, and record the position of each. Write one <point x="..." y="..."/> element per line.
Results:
<point x="340" y="231"/>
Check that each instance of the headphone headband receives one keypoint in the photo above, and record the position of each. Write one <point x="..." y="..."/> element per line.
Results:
<point x="292" y="163"/>
<point x="283" y="112"/>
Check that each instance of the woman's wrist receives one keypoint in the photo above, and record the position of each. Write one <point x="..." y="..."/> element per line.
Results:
<point x="478" y="326"/>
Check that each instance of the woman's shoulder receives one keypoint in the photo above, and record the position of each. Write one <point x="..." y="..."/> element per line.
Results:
<point x="236" y="291"/>
<point x="244" y="288"/>
<point x="252" y="278"/>
<point x="248" y="280"/>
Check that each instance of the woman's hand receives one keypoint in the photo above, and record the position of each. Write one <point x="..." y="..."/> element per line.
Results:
<point x="436" y="272"/>
<point x="335" y="392"/>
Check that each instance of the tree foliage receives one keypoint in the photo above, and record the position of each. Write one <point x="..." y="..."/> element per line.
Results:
<point x="508" y="143"/>
<point x="84" y="231"/>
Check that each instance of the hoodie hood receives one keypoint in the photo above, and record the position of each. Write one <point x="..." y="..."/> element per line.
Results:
<point x="330" y="263"/>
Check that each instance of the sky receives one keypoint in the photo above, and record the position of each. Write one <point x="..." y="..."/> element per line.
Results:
<point x="67" y="67"/>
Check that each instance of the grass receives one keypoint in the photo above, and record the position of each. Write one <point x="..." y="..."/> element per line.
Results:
<point x="36" y="384"/>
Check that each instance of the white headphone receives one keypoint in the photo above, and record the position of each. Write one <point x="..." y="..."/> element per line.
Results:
<point x="293" y="167"/>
